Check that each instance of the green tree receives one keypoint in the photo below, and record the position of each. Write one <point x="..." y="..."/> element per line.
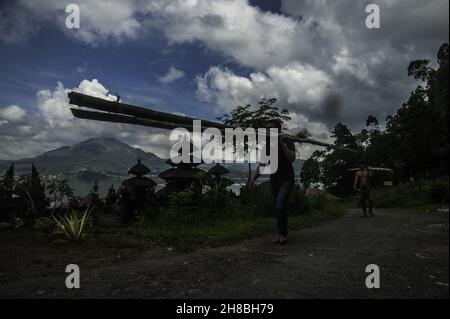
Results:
<point x="418" y="133"/>
<point x="247" y="117"/>
<point x="310" y="172"/>
<point x="372" y="121"/>
<point x="58" y="191"/>
<point x="7" y="183"/>
<point x="335" y="164"/>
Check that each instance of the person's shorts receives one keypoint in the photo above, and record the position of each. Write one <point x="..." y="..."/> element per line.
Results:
<point x="364" y="195"/>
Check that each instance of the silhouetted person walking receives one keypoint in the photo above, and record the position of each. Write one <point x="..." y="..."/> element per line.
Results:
<point x="362" y="184"/>
<point x="281" y="182"/>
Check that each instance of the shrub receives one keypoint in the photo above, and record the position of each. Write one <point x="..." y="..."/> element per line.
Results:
<point x="58" y="191"/>
<point x="183" y="201"/>
<point x="415" y="194"/>
<point x="218" y="200"/>
<point x="19" y="222"/>
<point x="46" y="226"/>
<point x="73" y="227"/>
<point x="438" y="191"/>
<point x="300" y="203"/>
<point x="256" y="200"/>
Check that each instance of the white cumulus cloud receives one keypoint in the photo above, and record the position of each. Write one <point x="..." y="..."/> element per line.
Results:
<point x="251" y="36"/>
<point x="296" y="86"/>
<point x="12" y="113"/>
<point x="172" y="75"/>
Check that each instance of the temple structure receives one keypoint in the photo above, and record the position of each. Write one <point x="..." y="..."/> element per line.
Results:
<point x="111" y="196"/>
<point x="141" y="186"/>
<point x="183" y="176"/>
<point x="137" y="191"/>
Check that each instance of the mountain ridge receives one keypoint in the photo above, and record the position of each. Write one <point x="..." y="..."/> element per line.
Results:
<point x="108" y="156"/>
<point x="105" y="155"/>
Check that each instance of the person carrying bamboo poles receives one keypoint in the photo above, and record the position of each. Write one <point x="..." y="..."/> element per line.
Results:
<point x="281" y="181"/>
<point x="362" y="184"/>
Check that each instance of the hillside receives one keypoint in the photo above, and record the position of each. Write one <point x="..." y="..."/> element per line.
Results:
<point x="106" y="155"/>
<point x="101" y="155"/>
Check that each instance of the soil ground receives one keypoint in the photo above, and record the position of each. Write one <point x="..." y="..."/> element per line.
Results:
<point x="326" y="261"/>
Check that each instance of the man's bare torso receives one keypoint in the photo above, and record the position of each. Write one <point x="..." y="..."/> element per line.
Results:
<point x="363" y="178"/>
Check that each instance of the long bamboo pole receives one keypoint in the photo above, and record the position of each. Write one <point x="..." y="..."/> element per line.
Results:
<point x="131" y="114"/>
<point x="132" y="110"/>
<point x="124" y="119"/>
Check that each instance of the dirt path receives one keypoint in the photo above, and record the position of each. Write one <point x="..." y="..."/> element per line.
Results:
<point x="411" y="249"/>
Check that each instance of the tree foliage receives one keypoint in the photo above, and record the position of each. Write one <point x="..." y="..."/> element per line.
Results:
<point x="415" y="141"/>
<point x="248" y="117"/>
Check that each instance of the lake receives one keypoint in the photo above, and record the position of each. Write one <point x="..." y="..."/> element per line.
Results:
<point x="82" y="186"/>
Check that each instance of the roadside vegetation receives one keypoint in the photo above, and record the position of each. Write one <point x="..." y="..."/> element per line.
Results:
<point x="182" y="221"/>
<point x="249" y="215"/>
<point x="218" y="217"/>
<point x="420" y="194"/>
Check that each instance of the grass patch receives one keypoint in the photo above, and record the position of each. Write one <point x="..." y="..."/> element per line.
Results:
<point x="220" y="218"/>
<point x="193" y="232"/>
<point x="186" y="221"/>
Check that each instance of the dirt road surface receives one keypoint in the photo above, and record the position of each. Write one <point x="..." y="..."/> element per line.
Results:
<point x="326" y="261"/>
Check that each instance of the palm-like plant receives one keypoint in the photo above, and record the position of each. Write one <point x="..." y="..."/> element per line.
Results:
<point x="303" y="133"/>
<point x="73" y="227"/>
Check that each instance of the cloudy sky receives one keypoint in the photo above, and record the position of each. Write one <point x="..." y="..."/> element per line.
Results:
<point x="202" y="58"/>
